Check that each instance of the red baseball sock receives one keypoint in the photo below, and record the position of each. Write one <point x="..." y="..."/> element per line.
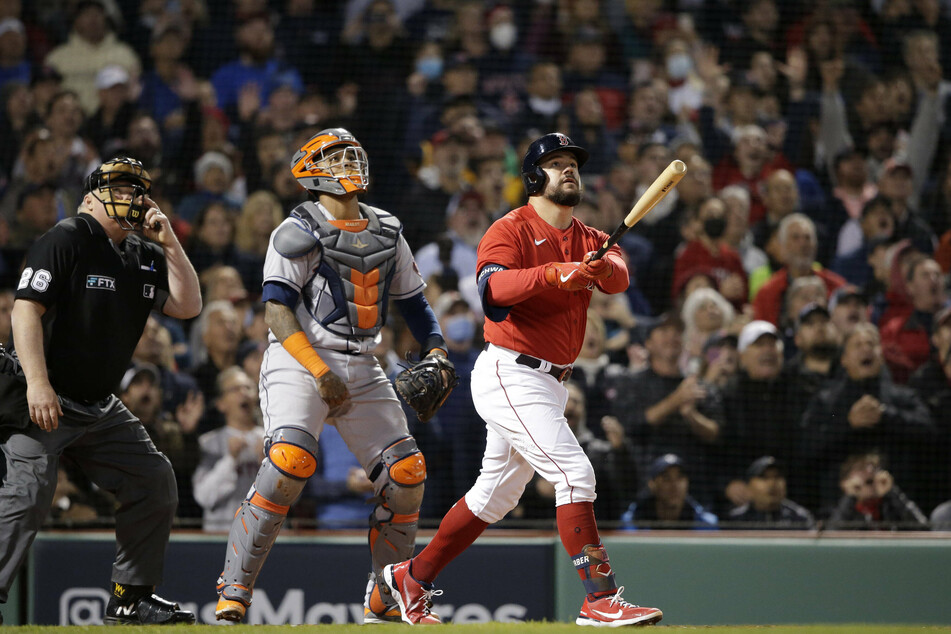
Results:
<point x="577" y="526"/>
<point x="458" y="529"/>
<point x="579" y="535"/>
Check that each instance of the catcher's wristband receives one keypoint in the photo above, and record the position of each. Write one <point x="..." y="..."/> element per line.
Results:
<point x="300" y="348"/>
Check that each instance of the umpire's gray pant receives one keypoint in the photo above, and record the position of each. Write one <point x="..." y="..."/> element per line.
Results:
<point x="115" y="452"/>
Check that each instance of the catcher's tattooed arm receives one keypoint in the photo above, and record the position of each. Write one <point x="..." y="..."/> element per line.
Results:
<point x="283" y="323"/>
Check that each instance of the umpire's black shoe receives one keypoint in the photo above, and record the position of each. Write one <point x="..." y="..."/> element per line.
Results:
<point x="148" y="610"/>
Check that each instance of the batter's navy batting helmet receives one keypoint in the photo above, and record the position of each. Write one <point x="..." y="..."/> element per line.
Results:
<point x="532" y="175"/>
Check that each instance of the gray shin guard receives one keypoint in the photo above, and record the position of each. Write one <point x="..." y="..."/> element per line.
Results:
<point x="291" y="459"/>
<point x="399" y="481"/>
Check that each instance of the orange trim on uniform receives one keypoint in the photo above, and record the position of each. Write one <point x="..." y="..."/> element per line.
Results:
<point x="370" y="278"/>
<point x="353" y="226"/>
<point x="293" y="460"/>
<point x="262" y="502"/>
<point x="405" y="519"/>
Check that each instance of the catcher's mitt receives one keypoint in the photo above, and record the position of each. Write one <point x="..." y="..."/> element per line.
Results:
<point x="426" y="385"/>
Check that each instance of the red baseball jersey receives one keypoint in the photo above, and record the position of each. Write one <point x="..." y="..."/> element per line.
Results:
<point x="549" y="324"/>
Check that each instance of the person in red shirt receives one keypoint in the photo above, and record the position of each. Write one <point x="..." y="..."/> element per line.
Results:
<point x="906" y="339"/>
<point x="797" y="238"/>
<point x="535" y="276"/>
<point x="750" y="164"/>
<point x="710" y="253"/>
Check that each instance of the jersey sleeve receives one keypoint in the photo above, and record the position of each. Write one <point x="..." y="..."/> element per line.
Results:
<point x="407" y="280"/>
<point x="292" y="272"/>
<point x="499" y="245"/>
<point x="48" y="267"/>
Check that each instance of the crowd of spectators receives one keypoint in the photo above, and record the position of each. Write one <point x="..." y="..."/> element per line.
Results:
<point x="786" y="329"/>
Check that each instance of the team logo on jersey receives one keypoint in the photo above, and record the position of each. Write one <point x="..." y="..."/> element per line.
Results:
<point x="148" y="291"/>
<point x="101" y="281"/>
<point x="360" y="244"/>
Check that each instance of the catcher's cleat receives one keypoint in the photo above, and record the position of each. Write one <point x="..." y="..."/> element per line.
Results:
<point x="415" y="599"/>
<point x="613" y="611"/>
<point x="390" y="616"/>
<point x="379" y="606"/>
<point x="230" y="610"/>
<point x="148" y="610"/>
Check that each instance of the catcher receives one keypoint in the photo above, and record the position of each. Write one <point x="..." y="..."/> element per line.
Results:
<point x="331" y="268"/>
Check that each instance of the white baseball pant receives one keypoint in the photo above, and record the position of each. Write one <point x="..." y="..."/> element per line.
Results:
<point x="524" y="410"/>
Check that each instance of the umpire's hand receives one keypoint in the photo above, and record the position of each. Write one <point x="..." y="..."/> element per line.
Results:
<point x="45" y="409"/>
<point x="156" y="226"/>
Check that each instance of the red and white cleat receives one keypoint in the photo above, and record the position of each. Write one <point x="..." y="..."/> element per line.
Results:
<point x="613" y="611"/>
<point x="415" y="599"/>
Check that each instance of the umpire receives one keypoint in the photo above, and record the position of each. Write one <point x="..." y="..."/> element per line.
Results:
<point x="81" y="305"/>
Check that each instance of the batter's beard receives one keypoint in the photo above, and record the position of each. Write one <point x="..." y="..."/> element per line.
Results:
<point x="567" y="198"/>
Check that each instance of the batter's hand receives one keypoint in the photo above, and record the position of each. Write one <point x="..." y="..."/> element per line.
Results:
<point x="568" y="276"/>
<point x="335" y="394"/>
<point x="598" y="269"/>
<point x="45" y="409"/>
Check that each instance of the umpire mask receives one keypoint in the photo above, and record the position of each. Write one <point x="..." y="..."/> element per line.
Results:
<point x="121" y="185"/>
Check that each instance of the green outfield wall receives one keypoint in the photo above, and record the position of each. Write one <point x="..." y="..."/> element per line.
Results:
<point x="717" y="580"/>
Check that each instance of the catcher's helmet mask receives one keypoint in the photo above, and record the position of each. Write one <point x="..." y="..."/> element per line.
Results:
<point x="332" y="162"/>
<point x="121" y="185"/>
<point x="534" y="176"/>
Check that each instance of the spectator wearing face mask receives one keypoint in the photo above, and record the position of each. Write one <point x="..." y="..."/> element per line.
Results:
<point x="455" y="438"/>
<point x="709" y="252"/>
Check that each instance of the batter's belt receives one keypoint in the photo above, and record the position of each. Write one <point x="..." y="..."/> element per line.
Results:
<point x="561" y="372"/>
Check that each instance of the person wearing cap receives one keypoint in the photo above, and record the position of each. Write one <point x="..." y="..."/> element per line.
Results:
<point x="14" y="66"/>
<point x="817" y="347"/>
<point x="756" y="409"/>
<point x="108" y="125"/>
<point x="875" y="224"/>
<point x="861" y="410"/>
<point x="932" y="382"/>
<point x="91" y="46"/>
<point x="256" y="65"/>
<point x="897" y="184"/>
<point x="666" y="501"/>
<point x="853" y="189"/>
<point x="798" y="246"/>
<point x="906" y="338"/>
<point x="720" y="360"/>
<point x="231" y="454"/>
<point x="871" y="500"/>
<point x="101" y="274"/>
<point x="454" y="253"/>
<point x="37" y="212"/>
<point x="848" y="307"/>
<point x="768" y="507"/>
<point x="802" y="292"/>
<point x="213" y="174"/>
<point x="142" y="392"/>
<point x="666" y="412"/>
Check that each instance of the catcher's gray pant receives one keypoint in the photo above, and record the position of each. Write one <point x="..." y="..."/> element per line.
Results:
<point x="115" y="452"/>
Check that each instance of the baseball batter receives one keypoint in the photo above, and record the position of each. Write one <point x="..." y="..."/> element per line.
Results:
<point x="535" y="276"/>
<point x="330" y="270"/>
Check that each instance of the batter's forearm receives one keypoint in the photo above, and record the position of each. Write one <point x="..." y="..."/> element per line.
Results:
<point x="619" y="279"/>
<point x="184" y="290"/>
<point x="509" y="287"/>
<point x="28" y="337"/>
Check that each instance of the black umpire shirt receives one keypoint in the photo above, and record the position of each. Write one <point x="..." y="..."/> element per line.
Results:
<point x="98" y="296"/>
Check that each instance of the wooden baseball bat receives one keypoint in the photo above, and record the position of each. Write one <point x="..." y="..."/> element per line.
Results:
<point x="661" y="186"/>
